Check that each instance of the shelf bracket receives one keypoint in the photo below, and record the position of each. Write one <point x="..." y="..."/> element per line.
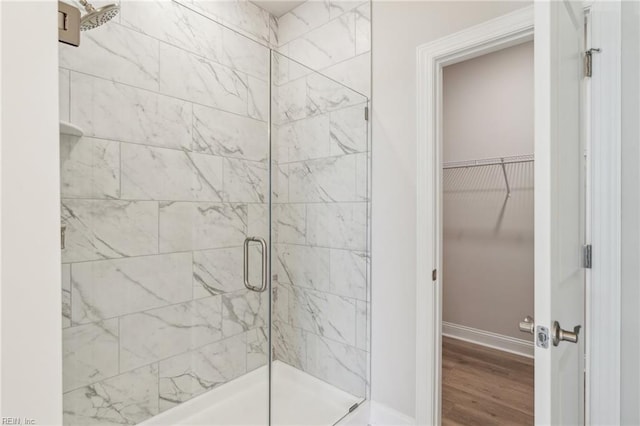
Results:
<point x="506" y="180"/>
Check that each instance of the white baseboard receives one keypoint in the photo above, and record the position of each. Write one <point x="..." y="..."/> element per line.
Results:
<point x="488" y="339"/>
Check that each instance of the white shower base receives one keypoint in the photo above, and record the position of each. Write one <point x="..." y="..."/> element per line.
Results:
<point x="298" y="399"/>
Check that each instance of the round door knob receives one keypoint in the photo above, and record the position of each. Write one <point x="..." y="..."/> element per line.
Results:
<point x="560" y="335"/>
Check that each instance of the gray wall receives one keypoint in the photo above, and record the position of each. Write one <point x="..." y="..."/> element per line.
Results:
<point x="397" y="29"/>
<point x="488" y="241"/>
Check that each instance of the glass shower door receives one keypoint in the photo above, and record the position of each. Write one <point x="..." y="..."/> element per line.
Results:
<point x="320" y="246"/>
<point x="158" y="197"/>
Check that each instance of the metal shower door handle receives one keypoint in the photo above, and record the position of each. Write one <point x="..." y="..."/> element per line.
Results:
<point x="263" y="245"/>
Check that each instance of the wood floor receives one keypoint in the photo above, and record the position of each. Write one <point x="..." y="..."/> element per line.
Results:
<point x="483" y="386"/>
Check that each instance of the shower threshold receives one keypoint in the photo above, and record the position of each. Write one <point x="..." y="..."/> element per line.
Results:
<point x="298" y="399"/>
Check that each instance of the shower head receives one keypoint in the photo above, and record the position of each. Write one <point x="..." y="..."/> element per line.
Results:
<point x="96" y="17"/>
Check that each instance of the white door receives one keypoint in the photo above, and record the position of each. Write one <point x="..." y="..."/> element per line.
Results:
<point x="559" y="211"/>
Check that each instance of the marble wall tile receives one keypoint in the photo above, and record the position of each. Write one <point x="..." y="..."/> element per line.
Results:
<point x="245" y="55"/>
<point x="63" y="90"/>
<point x="280" y="300"/>
<point x="66" y="295"/>
<point x="200" y="226"/>
<point x="90" y="353"/>
<point x="187" y="375"/>
<point x="363" y="28"/>
<point x="150" y="173"/>
<point x="304" y="18"/>
<point x="363" y="176"/>
<point x="289" y="100"/>
<point x="257" y="348"/>
<point x="339" y="7"/>
<point x="290" y="223"/>
<point x="147" y="337"/>
<point x="280" y="65"/>
<point x="337" y="225"/>
<point x="243" y="310"/>
<point x="343" y="366"/>
<point x="348" y="131"/>
<point x="103" y="229"/>
<point x="303" y="266"/>
<point x="362" y="330"/>
<point x="304" y="139"/>
<point x="280" y="183"/>
<point x="273" y="31"/>
<point x="117" y="53"/>
<point x="349" y="273"/>
<point x="328" y="179"/>
<point x="354" y="73"/>
<point x="323" y="314"/>
<point x="245" y="181"/>
<point x="289" y="345"/>
<point x="111" y="288"/>
<point x="173" y="23"/>
<point x="125" y="399"/>
<point x="217" y="271"/>
<point x="114" y="111"/>
<point x="324" y="95"/>
<point x="197" y="79"/>
<point x="241" y="15"/>
<point x="326" y="45"/>
<point x="89" y="168"/>
<point x="258" y="99"/>
<point x="221" y="133"/>
<point x="259" y="220"/>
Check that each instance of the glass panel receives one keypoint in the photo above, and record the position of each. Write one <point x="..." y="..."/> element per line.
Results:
<point x="320" y="251"/>
<point x="158" y="197"/>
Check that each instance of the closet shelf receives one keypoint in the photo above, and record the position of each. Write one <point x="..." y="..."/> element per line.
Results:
<point x="488" y="161"/>
<point x="500" y="161"/>
<point x="67" y="128"/>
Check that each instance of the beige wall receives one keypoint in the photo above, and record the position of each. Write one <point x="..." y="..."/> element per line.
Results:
<point x="397" y="29"/>
<point x="488" y="104"/>
<point x="488" y="241"/>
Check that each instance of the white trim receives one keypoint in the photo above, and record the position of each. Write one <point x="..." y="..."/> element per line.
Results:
<point x="496" y="34"/>
<point x="604" y="298"/>
<point x="486" y="338"/>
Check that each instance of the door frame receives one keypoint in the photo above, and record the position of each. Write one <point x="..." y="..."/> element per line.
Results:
<point x="604" y="203"/>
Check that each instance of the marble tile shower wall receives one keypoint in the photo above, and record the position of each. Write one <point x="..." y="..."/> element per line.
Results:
<point x="157" y="198"/>
<point x="321" y="150"/>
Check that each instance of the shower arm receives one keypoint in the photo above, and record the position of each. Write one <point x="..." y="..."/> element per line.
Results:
<point x="87" y="6"/>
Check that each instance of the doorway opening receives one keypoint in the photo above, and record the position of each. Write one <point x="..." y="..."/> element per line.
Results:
<point x="488" y="238"/>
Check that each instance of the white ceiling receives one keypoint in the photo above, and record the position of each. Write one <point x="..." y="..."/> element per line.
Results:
<point x="278" y="7"/>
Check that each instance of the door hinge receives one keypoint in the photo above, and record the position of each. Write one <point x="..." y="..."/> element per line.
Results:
<point x="586" y="256"/>
<point x="366" y="113"/>
<point x="434" y="275"/>
<point x="588" y="62"/>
